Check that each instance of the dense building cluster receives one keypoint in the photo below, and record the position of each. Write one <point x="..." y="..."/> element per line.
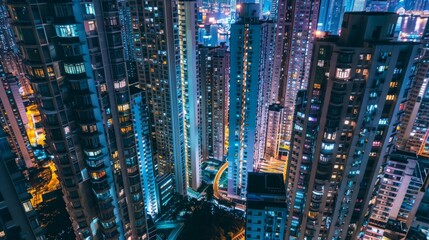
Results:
<point x="318" y="111"/>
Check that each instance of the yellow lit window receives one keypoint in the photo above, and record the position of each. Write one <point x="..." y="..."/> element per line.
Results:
<point x="38" y="72"/>
<point x="390" y="97"/>
<point x="126" y="129"/>
<point x="123" y="107"/>
<point x="393" y="84"/>
<point x="98" y="175"/>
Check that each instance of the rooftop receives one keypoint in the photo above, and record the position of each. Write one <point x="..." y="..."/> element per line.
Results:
<point x="266" y="183"/>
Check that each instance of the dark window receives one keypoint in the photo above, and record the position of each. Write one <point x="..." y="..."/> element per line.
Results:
<point x="5" y="215"/>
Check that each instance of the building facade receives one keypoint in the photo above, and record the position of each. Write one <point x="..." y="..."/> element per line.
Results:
<point x="345" y="126"/>
<point x="304" y="25"/>
<point x="13" y="118"/>
<point x="140" y="113"/>
<point x="191" y="91"/>
<point x="398" y="196"/>
<point x="74" y="57"/>
<point x="18" y="219"/>
<point x="414" y="132"/>
<point x="246" y="97"/>
<point x="157" y="55"/>
<point x="266" y="207"/>
<point x="214" y="79"/>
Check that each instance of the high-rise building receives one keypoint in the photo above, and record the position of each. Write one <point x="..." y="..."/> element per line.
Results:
<point x="247" y="95"/>
<point x="398" y="196"/>
<point x="304" y="24"/>
<point x="18" y="219"/>
<point x="266" y="210"/>
<point x="13" y="119"/>
<point x="165" y="188"/>
<point x="273" y="140"/>
<point x="165" y="52"/>
<point x="414" y="132"/>
<point x="332" y="11"/>
<point x="9" y="52"/>
<point x="420" y="223"/>
<point x="345" y="126"/>
<point x="214" y="80"/>
<point x="282" y="18"/>
<point x="140" y="113"/>
<point x="208" y="35"/>
<point x="74" y="57"/>
<point x="191" y="90"/>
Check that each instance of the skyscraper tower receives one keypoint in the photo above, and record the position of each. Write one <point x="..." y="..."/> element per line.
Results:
<point x="248" y="80"/>
<point x="414" y="132"/>
<point x="214" y="80"/>
<point x="398" y="196"/>
<point x="304" y="24"/>
<point x="158" y="64"/>
<point x="13" y="119"/>
<point x="74" y="58"/>
<point x="345" y="126"/>
<point x="140" y="113"/>
<point x="166" y="55"/>
<point x="331" y="13"/>
<point x="191" y="90"/>
<point x="282" y="18"/>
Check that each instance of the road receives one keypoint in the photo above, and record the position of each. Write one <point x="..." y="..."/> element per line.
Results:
<point x="216" y="182"/>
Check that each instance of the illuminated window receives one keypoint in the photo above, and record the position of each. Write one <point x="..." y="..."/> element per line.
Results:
<point x="393" y="84"/>
<point x="298" y="128"/>
<point x="123" y="107"/>
<point x="328" y="146"/>
<point x="343" y="73"/>
<point x="51" y="72"/>
<point x="390" y="97"/>
<point x="74" y="68"/>
<point x="383" y="121"/>
<point x="323" y="158"/>
<point x="89" y="128"/>
<point x="27" y="206"/>
<point x="103" y="88"/>
<point x="98" y="175"/>
<point x="90" y="26"/>
<point x="92" y="153"/>
<point x="365" y="73"/>
<point x="39" y="72"/>
<point x="120" y="84"/>
<point x="126" y="129"/>
<point x="381" y="68"/>
<point x="66" y="30"/>
<point x="89" y="8"/>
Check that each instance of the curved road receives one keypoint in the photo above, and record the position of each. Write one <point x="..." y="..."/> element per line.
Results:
<point x="240" y="235"/>
<point x="216" y="182"/>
